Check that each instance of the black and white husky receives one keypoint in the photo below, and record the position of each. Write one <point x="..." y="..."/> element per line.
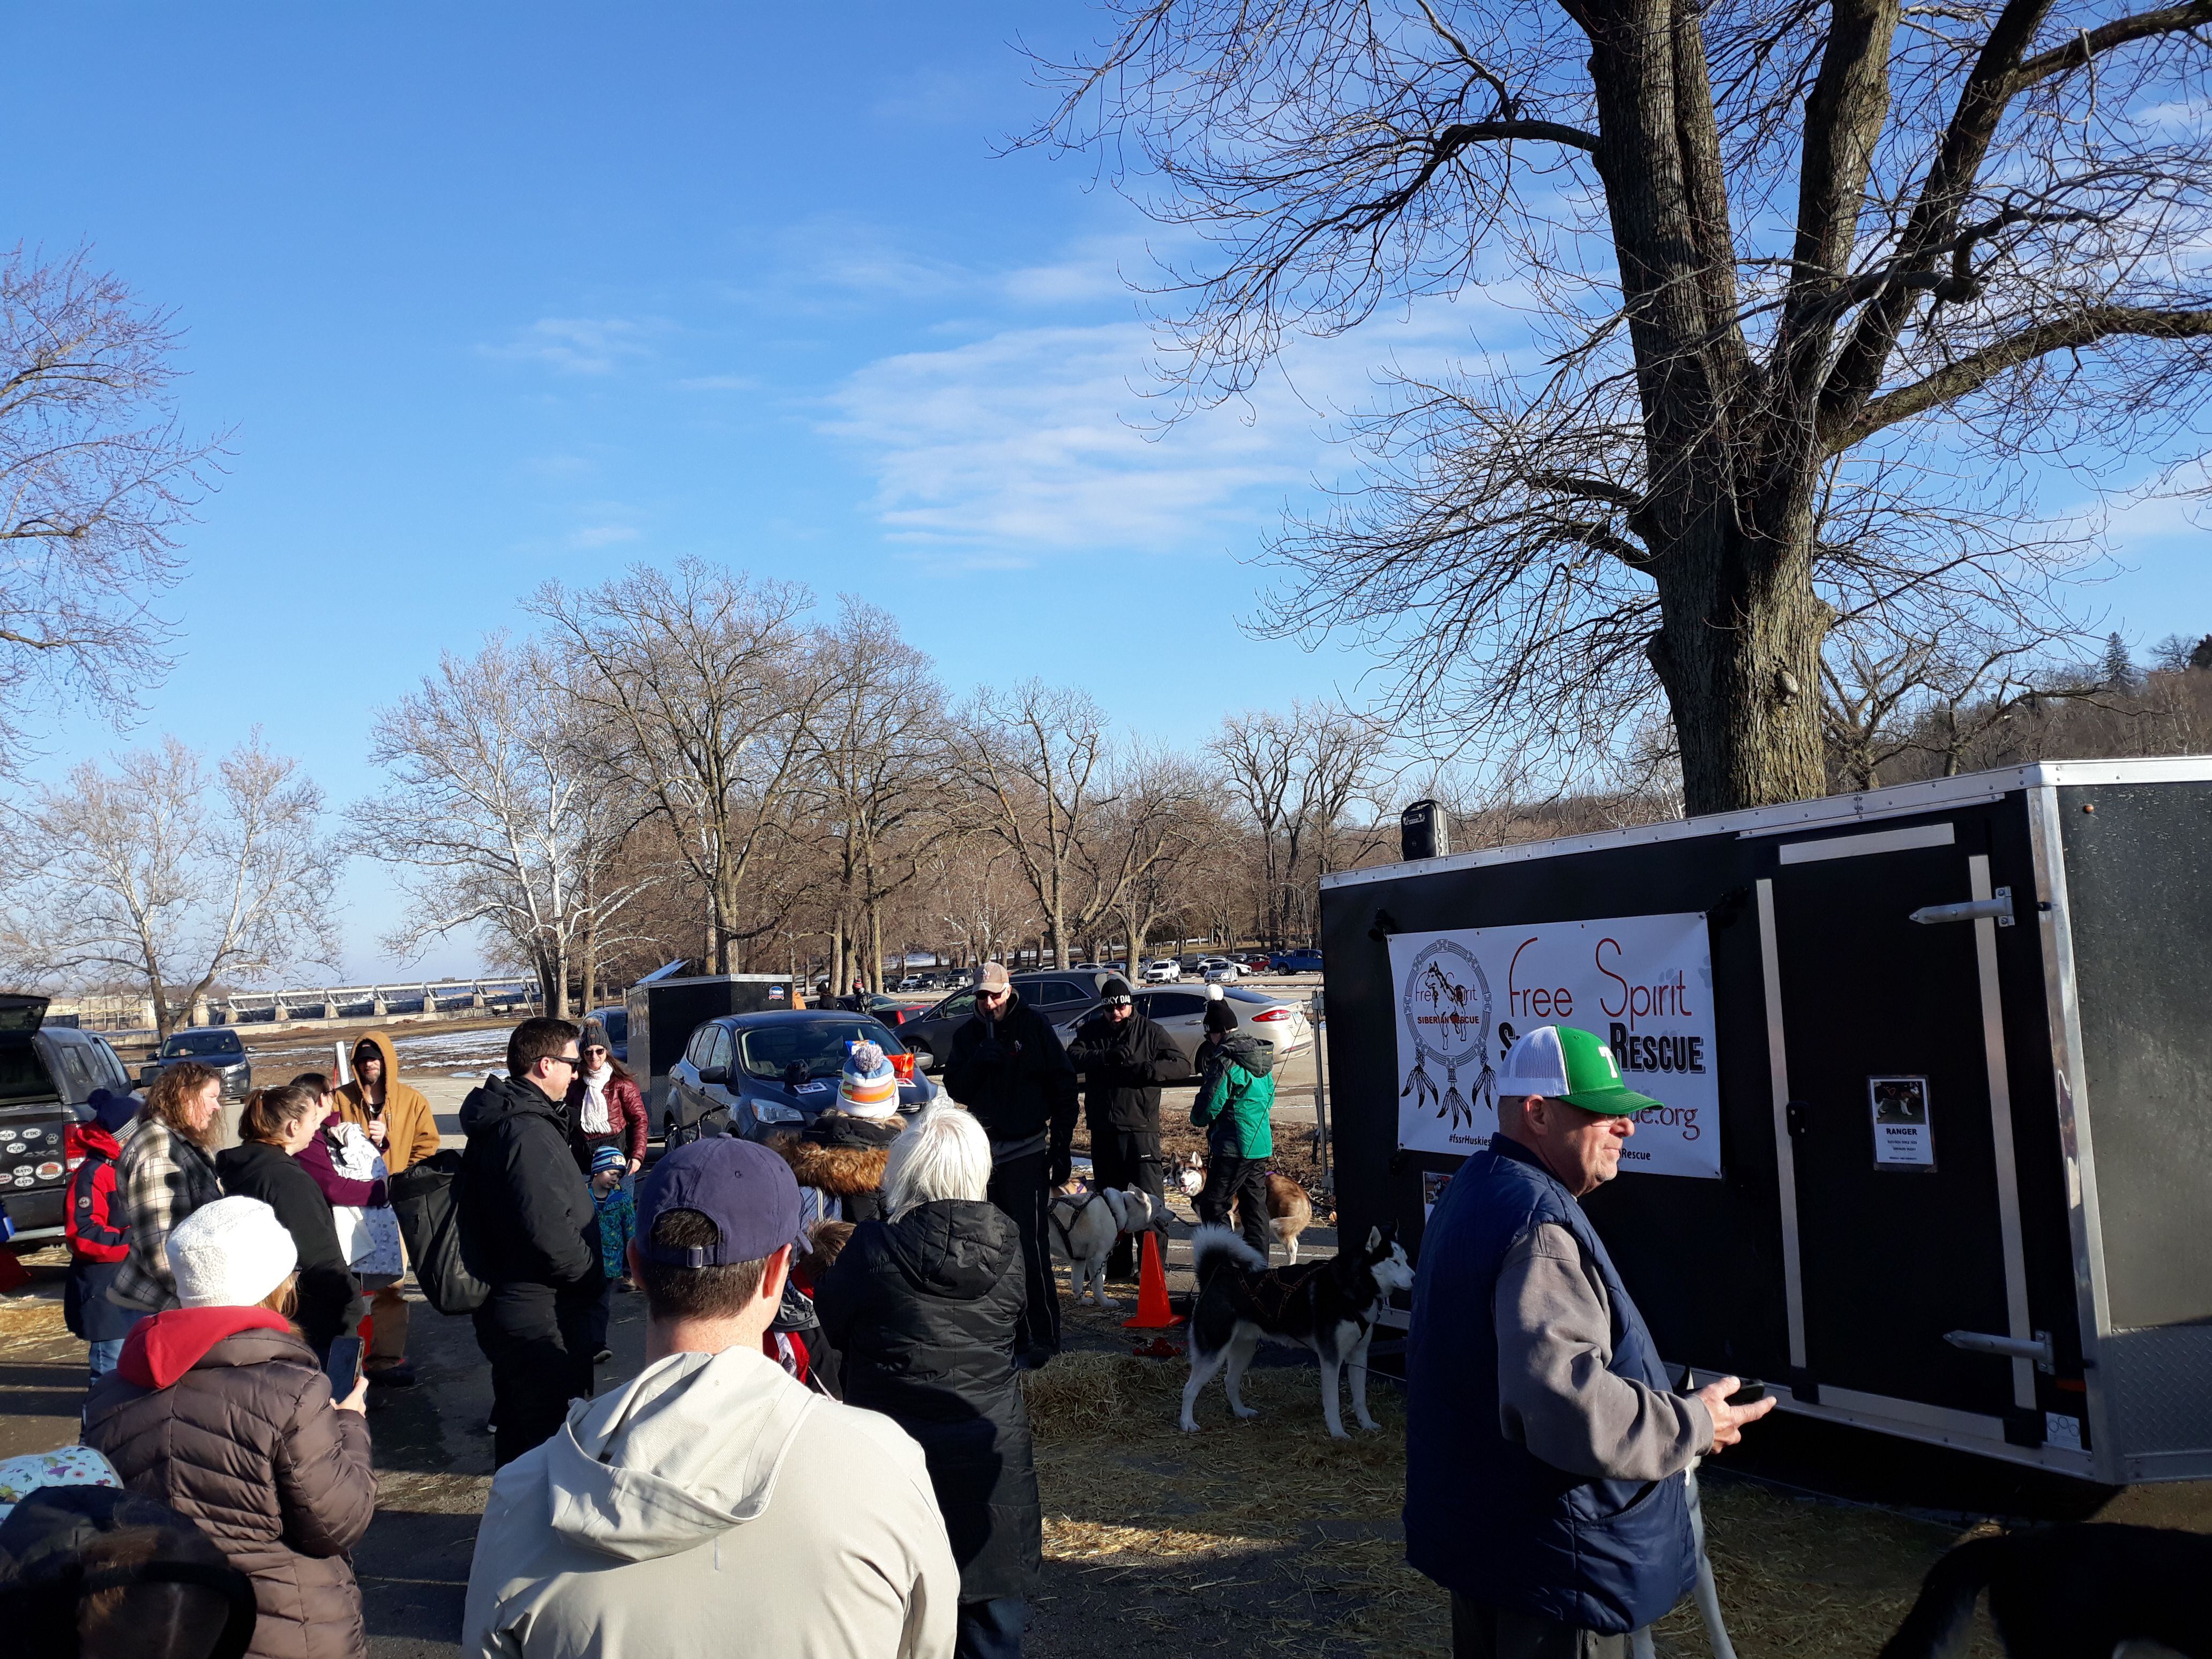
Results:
<point x="1327" y="1306"/>
<point x="2090" y="1590"/>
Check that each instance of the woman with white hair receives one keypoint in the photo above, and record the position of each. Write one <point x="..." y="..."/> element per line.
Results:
<point x="922" y="1306"/>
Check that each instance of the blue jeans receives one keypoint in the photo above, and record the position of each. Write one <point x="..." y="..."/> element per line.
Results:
<point x="991" y="1629"/>
<point x="105" y="1355"/>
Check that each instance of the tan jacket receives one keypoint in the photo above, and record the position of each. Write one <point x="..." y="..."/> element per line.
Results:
<point x="413" y="1126"/>
<point x="712" y="1505"/>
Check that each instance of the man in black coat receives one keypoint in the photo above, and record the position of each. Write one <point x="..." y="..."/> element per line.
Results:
<point x="529" y="1231"/>
<point x="1124" y="1058"/>
<point x="1007" y="1068"/>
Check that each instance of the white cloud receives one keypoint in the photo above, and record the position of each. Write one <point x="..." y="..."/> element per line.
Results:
<point x="604" y="535"/>
<point x="1038" y="441"/>
<point x="579" y="345"/>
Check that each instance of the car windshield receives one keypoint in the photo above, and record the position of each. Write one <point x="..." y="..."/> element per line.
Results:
<point x="767" y="1051"/>
<point x="616" y="1020"/>
<point x="194" y="1045"/>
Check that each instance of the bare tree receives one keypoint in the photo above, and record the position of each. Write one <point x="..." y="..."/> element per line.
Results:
<point x="1035" y="762"/>
<point x="154" y="874"/>
<point x="983" y="905"/>
<point x="878" y="734"/>
<point x="501" y="814"/>
<point x="705" y="682"/>
<point x="1297" y="776"/>
<point x="1164" y="814"/>
<point x="95" y="483"/>
<point x="1765" y="246"/>
<point x="1041" y="777"/>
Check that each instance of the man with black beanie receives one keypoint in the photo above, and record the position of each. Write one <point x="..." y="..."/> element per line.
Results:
<point x="1124" y="1058"/>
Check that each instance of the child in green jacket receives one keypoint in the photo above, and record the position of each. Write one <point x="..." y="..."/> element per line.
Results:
<point x="1235" y="1107"/>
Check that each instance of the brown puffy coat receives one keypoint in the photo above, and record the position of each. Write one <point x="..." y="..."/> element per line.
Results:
<point x="246" y="1442"/>
<point x="842" y="1156"/>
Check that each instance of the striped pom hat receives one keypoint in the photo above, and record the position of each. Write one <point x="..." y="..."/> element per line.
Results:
<point x="869" y="1087"/>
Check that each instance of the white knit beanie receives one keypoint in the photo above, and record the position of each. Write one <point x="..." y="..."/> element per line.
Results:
<point x="230" y="1253"/>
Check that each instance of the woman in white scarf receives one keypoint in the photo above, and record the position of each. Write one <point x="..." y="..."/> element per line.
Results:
<point x="606" y="1107"/>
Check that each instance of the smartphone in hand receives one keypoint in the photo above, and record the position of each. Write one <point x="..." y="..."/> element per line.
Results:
<point x="344" y="1366"/>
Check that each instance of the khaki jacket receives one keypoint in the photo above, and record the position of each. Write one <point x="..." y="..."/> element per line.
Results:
<point x="713" y="1506"/>
<point x="413" y="1126"/>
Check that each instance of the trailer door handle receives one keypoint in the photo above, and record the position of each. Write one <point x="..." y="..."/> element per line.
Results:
<point x="1998" y="909"/>
<point x="2008" y="1347"/>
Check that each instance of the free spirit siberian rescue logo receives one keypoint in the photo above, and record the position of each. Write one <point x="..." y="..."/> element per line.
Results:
<point x="1643" y="984"/>
<point x="1446" y="1004"/>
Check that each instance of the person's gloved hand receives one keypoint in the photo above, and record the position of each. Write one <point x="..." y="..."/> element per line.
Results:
<point x="1061" y="1166"/>
<point x="988" y="1053"/>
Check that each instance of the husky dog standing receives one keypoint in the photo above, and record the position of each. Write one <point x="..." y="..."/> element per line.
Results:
<point x="1290" y="1212"/>
<point x="1329" y="1307"/>
<point x="1083" y="1226"/>
<point x="2084" y="1591"/>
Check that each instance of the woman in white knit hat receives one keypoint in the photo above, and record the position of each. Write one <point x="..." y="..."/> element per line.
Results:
<point x="218" y="1409"/>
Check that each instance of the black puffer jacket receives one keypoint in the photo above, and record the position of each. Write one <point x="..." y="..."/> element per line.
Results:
<point x="328" y="1307"/>
<point x="526" y="1211"/>
<point x="1014" y="1076"/>
<point x="923" y="1309"/>
<point x="1123" y="1066"/>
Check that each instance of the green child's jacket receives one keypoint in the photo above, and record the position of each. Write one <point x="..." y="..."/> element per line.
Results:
<point x="1235" y="1103"/>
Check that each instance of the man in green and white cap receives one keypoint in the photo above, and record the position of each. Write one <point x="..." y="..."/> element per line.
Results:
<point x="1545" y="1450"/>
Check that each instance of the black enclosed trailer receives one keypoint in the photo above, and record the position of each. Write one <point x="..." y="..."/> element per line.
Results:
<point x="1934" y="1156"/>
<point x="669" y="1004"/>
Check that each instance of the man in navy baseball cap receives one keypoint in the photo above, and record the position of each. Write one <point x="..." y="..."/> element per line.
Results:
<point x="825" y="1534"/>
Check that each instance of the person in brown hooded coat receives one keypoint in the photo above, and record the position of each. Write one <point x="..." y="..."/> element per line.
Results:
<point x="398" y="1119"/>
<point x="219" y="1409"/>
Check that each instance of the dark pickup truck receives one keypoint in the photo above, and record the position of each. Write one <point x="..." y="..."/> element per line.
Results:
<point x="46" y="1074"/>
<point x="211" y="1045"/>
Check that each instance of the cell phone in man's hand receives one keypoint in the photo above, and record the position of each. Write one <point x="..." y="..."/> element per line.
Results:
<point x="344" y="1366"/>
<point x="1749" y="1394"/>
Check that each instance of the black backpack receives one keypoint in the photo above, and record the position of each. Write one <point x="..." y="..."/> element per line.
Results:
<point x="423" y="1198"/>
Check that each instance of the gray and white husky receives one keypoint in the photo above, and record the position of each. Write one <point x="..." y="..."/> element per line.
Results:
<point x="1083" y="1226"/>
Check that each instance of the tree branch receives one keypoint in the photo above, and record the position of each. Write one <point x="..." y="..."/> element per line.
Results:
<point x="1956" y="379"/>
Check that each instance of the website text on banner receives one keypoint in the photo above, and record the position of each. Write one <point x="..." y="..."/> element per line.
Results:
<point x="1643" y="983"/>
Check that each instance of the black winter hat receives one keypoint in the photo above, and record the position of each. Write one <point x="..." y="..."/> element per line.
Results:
<point x="1221" y="1018"/>
<point x="1115" y="989"/>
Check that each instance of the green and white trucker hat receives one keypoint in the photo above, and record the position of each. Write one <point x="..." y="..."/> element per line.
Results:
<point x="1564" y="1063"/>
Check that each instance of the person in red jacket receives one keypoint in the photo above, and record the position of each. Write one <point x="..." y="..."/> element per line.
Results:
<point x="99" y="1230"/>
<point x="606" y="1107"/>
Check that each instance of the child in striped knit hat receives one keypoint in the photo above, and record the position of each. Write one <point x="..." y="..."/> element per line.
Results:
<point x="868" y="1086"/>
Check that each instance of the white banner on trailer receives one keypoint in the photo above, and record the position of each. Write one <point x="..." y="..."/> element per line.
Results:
<point x="1644" y="984"/>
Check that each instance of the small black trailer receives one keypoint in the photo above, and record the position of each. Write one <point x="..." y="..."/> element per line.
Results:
<point x="669" y="1004"/>
<point x="1934" y="1155"/>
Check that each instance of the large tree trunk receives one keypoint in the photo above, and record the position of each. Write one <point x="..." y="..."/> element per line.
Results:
<point x="1739" y="652"/>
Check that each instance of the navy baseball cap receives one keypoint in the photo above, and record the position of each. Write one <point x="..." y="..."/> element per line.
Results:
<point x="744" y="1190"/>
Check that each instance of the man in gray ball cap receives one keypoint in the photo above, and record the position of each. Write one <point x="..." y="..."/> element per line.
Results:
<point x="713" y="1499"/>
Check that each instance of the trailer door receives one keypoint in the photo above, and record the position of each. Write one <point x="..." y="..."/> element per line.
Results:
<point x="1898" y="1123"/>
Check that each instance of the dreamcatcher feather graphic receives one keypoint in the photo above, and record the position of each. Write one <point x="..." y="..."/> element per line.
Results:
<point x="1446" y="1004"/>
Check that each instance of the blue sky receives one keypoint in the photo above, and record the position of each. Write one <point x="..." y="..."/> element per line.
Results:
<point x="496" y="293"/>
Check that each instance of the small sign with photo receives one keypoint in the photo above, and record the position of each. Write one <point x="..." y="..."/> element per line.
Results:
<point x="1902" y="1137"/>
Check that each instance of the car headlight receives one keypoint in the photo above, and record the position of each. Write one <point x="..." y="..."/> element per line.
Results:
<point x="769" y="1111"/>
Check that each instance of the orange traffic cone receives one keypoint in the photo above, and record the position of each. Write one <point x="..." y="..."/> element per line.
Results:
<point x="1152" y="1312"/>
